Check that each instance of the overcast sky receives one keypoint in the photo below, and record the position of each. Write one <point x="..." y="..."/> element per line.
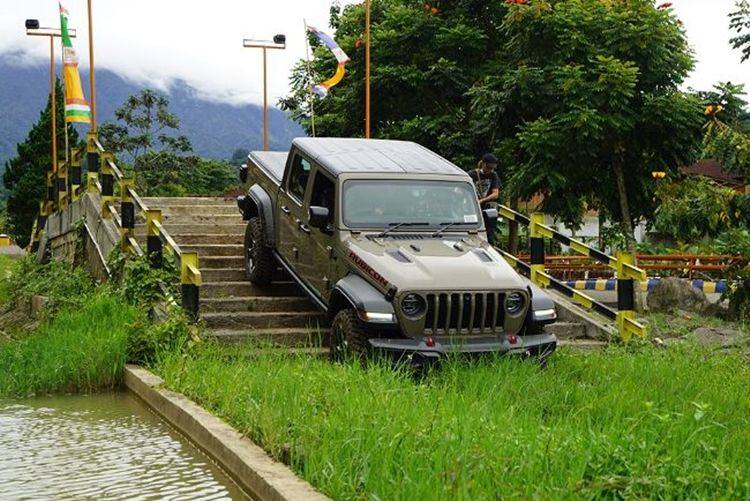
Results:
<point x="154" y="41"/>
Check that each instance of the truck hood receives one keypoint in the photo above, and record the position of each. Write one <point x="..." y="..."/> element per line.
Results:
<point x="450" y="263"/>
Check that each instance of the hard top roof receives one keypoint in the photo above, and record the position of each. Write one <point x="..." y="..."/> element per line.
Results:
<point x="345" y="155"/>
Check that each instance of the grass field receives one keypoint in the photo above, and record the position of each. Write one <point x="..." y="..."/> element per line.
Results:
<point x="641" y="423"/>
<point x="79" y="350"/>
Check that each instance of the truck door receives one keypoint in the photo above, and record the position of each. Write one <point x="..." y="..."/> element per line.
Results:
<point x="317" y="262"/>
<point x="291" y="201"/>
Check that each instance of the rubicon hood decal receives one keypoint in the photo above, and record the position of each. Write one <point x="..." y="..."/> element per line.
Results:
<point x="362" y="265"/>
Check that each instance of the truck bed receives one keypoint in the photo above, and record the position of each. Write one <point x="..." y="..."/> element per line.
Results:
<point x="271" y="163"/>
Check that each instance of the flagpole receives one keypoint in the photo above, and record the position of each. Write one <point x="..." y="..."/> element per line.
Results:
<point x="367" y="69"/>
<point x="92" y="76"/>
<point x="309" y="75"/>
<point x="53" y="96"/>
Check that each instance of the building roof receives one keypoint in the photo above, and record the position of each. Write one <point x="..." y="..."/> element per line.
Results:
<point x="713" y="170"/>
<point x="345" y="155"/>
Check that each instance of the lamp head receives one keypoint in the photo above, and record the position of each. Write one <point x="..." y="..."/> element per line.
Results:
<point x="279" y="39"/>
<point x="32" y="24"/>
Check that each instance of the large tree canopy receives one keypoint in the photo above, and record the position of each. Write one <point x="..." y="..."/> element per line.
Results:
<point x="579" y="98"/>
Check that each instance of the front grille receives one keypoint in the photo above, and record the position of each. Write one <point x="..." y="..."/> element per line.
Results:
<point x="464" y="312"/>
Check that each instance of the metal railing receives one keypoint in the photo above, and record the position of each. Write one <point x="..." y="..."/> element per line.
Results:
<point x="65" y="187"/>
<point x="623" y="264"/>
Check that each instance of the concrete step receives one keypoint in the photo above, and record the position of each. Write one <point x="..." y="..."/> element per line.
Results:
<point x="224" y="274"/>
<point x="159" y="202"/>
<point x="256" y="303"/>
<point x="264" y="320"/>
<point x="202" y="218"/>
<point x="245" y="289"/>
<point x="263" y="338"/>
<point x="189" y="228"/>
<point x="567" y="330"/>
<point x="198" y="209"/>
<point x="214" y="249"/>
<point x="212" y="262"/>
<point x="582" y="344"/>
<point x="210" y="238"/>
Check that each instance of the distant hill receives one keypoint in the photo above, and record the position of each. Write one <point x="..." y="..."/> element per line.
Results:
<point x="215" y="129"/>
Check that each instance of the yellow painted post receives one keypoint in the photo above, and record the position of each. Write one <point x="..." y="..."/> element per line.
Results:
<point x="75" y="173"/>
<point x="626" y="316"/>
<point x="127" y="212"/>
<point x="91" y="179"/>
<point x="190" y="277"/>
<point x="536" y="242"/>
<point x="107" y="181"/>
<point x="62" y="185"/>
<point x="153" y="240"/>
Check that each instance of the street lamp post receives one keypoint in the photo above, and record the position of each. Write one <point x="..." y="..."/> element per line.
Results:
<point x="278" y="42"/>
<point x="33" y="29"/>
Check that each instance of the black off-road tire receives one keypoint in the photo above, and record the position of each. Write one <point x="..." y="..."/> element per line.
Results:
<point x="259" y="262"/>
<point x="348" y="338"/>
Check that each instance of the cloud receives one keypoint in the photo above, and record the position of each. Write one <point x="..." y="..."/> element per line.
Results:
<point x="200" y="42"/>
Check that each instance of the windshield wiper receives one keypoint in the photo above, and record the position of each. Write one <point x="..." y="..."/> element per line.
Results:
<point x="395" y="226"/>
<point x="445" y="226"/>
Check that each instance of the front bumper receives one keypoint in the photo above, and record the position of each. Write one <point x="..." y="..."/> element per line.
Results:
<point x="540" y="345"/>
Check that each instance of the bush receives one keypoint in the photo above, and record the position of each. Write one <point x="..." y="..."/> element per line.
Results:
<point x="65" y="286"/>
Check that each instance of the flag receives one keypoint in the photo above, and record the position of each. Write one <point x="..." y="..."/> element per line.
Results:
<point x="76" y="107"/>
<point x="322" y="88"/>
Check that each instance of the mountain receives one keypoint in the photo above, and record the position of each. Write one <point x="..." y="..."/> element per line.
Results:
<point x="215" y="129"/>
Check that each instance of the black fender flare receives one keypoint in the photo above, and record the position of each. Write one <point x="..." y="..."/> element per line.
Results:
<point x="258" y="203"/>
<point x="356" y="292"/>
<point x="540" y="301"/>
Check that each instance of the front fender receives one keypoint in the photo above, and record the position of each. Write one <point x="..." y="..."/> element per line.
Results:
<point x="362" y="296"/>
<point x="541" y="305"/>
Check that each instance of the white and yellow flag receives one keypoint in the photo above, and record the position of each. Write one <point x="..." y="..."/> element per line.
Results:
<point x="76" y="107"/>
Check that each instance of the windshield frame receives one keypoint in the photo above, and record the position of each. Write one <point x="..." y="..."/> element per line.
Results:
<point x="461" y="227"/>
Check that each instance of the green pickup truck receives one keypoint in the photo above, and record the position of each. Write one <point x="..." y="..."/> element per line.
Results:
<point x="387" y="237"/>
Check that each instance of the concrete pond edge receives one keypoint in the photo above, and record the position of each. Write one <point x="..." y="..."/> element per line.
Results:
<point x="259" y="475"/>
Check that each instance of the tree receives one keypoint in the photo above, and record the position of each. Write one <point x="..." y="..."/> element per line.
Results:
<point x="590" y="105"/>
<point x="727" y="136"/>
<point x="580" y="99"/>
<point x="425" y="60"/>
<point x="25" y="174"/>
<point x="239" y="156"/>
<point x="145" y="123"/>
<point x="739" y="21"/>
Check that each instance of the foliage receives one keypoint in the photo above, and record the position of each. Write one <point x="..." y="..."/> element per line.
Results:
<point x="139" y="283"/>
<point x="694" y="208"/>
<point x="24" y="175"/>
<point x="739" y="21"/>
<point x="727" y="136"/>
<point x="579" y="99"/>
<point x="83" y="349"/>
<point x="168" y="174"/>
<point x="149" y="340"/>
<point x="65" y="286"/>
<point x="639" y="423"/>
<point x="145" y="124"/>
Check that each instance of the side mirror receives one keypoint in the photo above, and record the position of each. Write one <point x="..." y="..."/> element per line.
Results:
<point x="490" y="213"/>
<point x="243" y="173"/>
<point x="318" y="217"/>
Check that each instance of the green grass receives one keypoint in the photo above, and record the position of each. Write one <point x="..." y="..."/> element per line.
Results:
<point x="80" y="350"/>
<point x="641" y="423"/>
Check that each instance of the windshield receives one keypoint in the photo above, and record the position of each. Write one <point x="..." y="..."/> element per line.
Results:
<point x="383" y="204"/>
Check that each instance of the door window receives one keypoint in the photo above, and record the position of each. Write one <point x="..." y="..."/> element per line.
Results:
<point x="324" y="194"/>
<point x="298" y="177"/>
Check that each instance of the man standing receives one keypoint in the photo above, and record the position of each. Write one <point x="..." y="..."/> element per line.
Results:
<point x="487" y="184"/>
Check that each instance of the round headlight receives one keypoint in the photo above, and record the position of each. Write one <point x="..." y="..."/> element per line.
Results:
<point x="514" y="302"/>
<point x="413" y="305"/>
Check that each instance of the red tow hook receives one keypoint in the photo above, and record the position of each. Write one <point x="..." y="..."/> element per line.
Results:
<point x="429" y="342"/>
<point x="513" y="339"/>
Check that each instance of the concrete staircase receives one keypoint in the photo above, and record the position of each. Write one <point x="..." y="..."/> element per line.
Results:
<point x="232" y="309"/>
